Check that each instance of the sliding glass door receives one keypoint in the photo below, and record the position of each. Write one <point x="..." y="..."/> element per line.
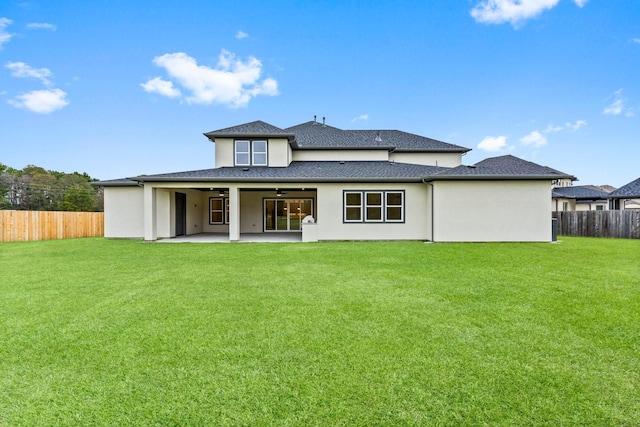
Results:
<point x="286" y="214"/>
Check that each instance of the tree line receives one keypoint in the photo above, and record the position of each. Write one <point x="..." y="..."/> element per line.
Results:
<point x="36" y="189"/>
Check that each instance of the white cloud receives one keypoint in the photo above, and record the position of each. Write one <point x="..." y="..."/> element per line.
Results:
<point x="636" y="40"/>
<point x="363" y="117"/>
<point x="4" y="36"/>
<point x="577" y="125"/>
<point x="241" y="35"/>
<point x="615" y="108"/>
<point x="535" y="139"/>
<point x="580" y="3"/>
<point x="493" y="143"/>
<point x="162" y="87"/>
<point x="553" y="129"/>
<point x="41" y="26"/>
<point x="41" y="101"/>
<point x="513" y="11"/>
<point x="23" y="70"/>
<point x="618" y="106"/>
<point x="232" y="82"/>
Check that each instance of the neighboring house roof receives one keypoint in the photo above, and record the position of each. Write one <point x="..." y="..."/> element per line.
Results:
<point x="499" y="168"/>
<point x="629" y="191"/>
<point x="606" y="188"/>
<point x="579" y="192"/>
<point x="313" y="171"/>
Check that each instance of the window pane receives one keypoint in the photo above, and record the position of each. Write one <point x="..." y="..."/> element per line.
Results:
<point x="216" y="204"/>
<point x="394" y="213"/>
<point x="259" y="146"/>
<point x="216" y="217"/>
<point x="259" y="159"/>
<point x="242" y="159"/>
<point x="394" y="199"/>
<point x="374" y="199"/>
<point x="353" y="199"/>
<point x="242" y="146"/>
<point x="353" y="214"/>
<point x="374" y="214"/>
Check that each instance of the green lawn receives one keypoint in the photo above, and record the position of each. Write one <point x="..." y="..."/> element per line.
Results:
<point x="115" y="332"/>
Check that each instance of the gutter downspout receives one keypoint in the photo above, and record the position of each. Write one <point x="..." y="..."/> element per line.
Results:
<point x="433" y="220"/>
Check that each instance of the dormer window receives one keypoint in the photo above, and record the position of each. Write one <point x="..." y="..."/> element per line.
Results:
<point x="250" y="153"/>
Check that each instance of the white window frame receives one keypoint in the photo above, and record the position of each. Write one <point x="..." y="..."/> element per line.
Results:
<point x="254" y="151"/>
<point x="380" y="207"/>
<point x="224" y="210"/>
<point x="251" y="152"/>
<point x="237" y="152"/>
<point x="387" y="206"/>
<point x="346" y="207"/>
<point x="364" y="205"/>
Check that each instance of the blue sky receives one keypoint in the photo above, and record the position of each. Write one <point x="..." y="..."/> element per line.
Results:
<point x="122" y="88"/>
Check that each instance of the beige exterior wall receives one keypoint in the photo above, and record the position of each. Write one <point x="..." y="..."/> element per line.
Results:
<point x="630" y="204"/>
<point x="488" y="211"/>
<point x="591" y="206"/>
<point x="558" y="204"/>
<point x="279" y="152"/>
<point x="224" y="152"/>
<point x="163" y="203"/>
<point x="417" y="225"/>
<point x="339" y="155"/>
<point x="462" y="210"/>
<point x="449" y="160"/>
<point x="123" y="212"/>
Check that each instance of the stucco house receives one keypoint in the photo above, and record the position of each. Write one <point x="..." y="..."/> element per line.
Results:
<point x="580" y="198"/>
<point x="326" y="183"/>
<point x="626" y="197"/>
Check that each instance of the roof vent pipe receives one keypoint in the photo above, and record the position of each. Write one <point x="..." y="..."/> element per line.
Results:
<point x="315" y="120"/>
<point x="378" y="137"/>
<point x="323" y="123"/>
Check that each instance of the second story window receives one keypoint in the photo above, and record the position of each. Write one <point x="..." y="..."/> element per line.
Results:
<point x="250" y="153"/>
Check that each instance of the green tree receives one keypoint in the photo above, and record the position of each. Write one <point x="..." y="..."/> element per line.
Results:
<point x="78" y="198"/>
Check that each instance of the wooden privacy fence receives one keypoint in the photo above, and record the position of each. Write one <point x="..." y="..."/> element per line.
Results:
<point x="46" y="225"/>
<point x="620" y="224"/>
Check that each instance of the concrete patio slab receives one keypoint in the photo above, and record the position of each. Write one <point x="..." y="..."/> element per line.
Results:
<point x="244" y="238"/>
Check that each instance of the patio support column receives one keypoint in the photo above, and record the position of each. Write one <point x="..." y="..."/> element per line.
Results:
<point x="150" y="215"/>
<point x="234" y="214"/>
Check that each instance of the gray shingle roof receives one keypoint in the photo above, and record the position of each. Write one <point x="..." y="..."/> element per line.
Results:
<point x="257" y="128"/>
<point x="501" y="167"/>
<point x="631" y="190"/>
<point x="122" y="182"/>
<point x="313" y="135"/>
<point x="579" y="192"/>
<point x="321" y="171"/>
